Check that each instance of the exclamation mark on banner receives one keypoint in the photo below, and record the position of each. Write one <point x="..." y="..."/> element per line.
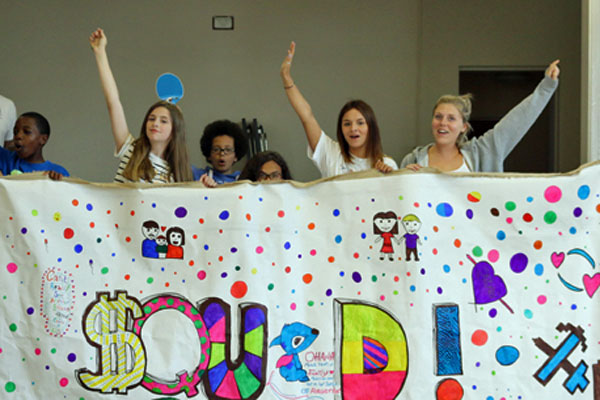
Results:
<point x="448" y="354"/>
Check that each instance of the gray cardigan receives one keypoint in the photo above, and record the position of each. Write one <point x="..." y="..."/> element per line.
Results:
<point x="487" y="152"/>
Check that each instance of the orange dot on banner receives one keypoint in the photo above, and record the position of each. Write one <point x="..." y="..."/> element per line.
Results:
<point x="92" y="225"/>
<point x="221" y="258"/>
<point x="248" y="217"/>
<point x="449" y="389"/>
<point x="191" y="263"/>
<point x="195" y="236"/>
<point x="479" y="337"/>
<point x="128" y="239"/>
<point x="311" y="226"/>
<point x="457" y="243"/>
<point x="108" y="211"/>
<point x="280" y="214"/>
<point x="307" y="278"/>
<point x="356" y="255"/>
<point x="239" y="289"/>
<point x="75" y="202"/>
<point x="331" y="259"/>
<point x="240" y="197"/>
<point x="201" y="220"/>
<point x="537" y="244"/>
<point x="435" y="228"/>
<point x="127" y="277"/>
<point x="598" y="208"/>
<point x="167" y="284"/>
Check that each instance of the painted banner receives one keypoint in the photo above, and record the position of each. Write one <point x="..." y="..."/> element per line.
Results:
<point x="407" y="286"/>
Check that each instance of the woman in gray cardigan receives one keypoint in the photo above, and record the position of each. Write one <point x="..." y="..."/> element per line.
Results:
<point x="452" y="152"/>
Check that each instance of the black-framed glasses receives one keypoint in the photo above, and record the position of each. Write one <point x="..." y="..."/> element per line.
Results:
<point x="272" y="176"/>
<point x="222" y="150"/>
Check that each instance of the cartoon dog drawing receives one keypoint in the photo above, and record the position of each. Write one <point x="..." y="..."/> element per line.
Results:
<point x="294" y="339"/>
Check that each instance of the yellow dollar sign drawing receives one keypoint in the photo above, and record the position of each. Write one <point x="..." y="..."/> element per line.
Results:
<point x="121" y="354"/>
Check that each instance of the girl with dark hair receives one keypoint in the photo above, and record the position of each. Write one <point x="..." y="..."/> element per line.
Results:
<point x="223" y="143"/>
<point x="266" y="166"/>
<point x="159" y="155"/>
<point x="358" y="145"/>
<point x="385" y="225"/>
<point x="451" y="151"/>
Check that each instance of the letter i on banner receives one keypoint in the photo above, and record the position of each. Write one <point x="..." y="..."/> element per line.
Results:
<point x="448" y="354"/>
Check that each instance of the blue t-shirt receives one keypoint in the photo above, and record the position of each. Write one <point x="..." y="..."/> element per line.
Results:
<point x="10" y="161"/>
<point x="219" y="177"/>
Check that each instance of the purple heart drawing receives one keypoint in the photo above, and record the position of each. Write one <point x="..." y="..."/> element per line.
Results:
<point x="487" y="286"/>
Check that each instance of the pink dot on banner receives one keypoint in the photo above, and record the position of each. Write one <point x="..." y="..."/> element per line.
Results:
<point x="479" y="337"/>
<point x="313" y="252"/>
<point x="37" y="352"/>
<point x="553" y="194"/>
<point x="63" y="382"/>
<point x="293" y="306"/>
<point x="259" y="250"/>
<point x="12" y="268"/>
<point x="493" y="255"/>
<point x="542" y="299"/>
<point x="201" y="275"/>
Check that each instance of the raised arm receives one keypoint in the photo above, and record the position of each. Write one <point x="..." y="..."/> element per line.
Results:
<point x="298" y="102"/>
<point x="109" y="87"/>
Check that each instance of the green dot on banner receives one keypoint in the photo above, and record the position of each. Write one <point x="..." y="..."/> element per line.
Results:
<point x="198" y="324"/>
<point x="311" y="303"/>
<point x="104" y="270"/>
<point x="477" y="252"/>
<point x="53" y="351"/>
<point x="550" y="217"/>
<point x="170" y="301"/>
<point x="10" y="387"/>
<point x="150" y="280"/>
<point x="13" y="327"/>
<point x="510" y="205"/>
<point x="147" y="309"/>
<point x="271" y="286"/>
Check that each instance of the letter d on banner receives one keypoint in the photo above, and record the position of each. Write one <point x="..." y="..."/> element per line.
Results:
<point x="372" y="353"/>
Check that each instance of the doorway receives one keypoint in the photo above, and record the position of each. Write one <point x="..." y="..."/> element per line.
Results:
<point x="496" y="91"/>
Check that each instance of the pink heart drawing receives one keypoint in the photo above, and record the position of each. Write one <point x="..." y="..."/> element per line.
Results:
<point x="557" y="259"/>
<point x="591" y="283"/>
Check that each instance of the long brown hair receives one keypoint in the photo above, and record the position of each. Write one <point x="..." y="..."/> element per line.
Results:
<point x="374" y="148"/>
<point x="140" y="166"/>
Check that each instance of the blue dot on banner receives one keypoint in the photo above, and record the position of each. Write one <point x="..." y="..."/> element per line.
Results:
<point x="539" y="269"/>
<point x="328" y="292"/>
<point x="577" y="212"/>
<point x="78" y="248"/>
<point x="363" y="235"/>
<point x="338" y="239"/>
<point x="446" y="268"/>
<point x="336" y="212"/>
<point x="224" y="215"/>
<point x="153" y="205"/>
<point x="30" y="310"/>
<point x="342" y="273"/>
<point x="356" y="277"/>
<point x="413" y="288"/>
<point x="529" y="199"/>
<point x="572" y="230"/>
<point x="583" y="192"/>
<point x="507" y="355"/>
<point x="470" y="213"/>
<point x="573" y="306"/>
<point x="23" y="230"/>
<point x="233" y="250"/>
<point x="89" y="207"/>
<point x="500" y="235"/>
<point x="206" y="247"/>
<point x="181" y="212"/>
<point x="287" y="245"/>
<point x="444" y="210"/>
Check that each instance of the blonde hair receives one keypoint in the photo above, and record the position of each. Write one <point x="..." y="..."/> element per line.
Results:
<point x="464" y="106"/>
<point x="140" y="166"/>
<point x="411" y="217"/>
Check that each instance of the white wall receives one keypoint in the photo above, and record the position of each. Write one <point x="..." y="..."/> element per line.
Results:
<point x="398" y="55"/>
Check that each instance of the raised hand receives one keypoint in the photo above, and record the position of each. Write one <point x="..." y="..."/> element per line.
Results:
<point x="98" y="40"/>
<point x="383" y="167"/>
<point x="553" y="71"/>
<point x="286" y="66"/>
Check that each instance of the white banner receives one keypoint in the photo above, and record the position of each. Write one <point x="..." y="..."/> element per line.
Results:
<point x="409" y="286"/>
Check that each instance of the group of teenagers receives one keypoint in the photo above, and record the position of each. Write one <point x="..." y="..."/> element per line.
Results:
<point x="159" y="154"/>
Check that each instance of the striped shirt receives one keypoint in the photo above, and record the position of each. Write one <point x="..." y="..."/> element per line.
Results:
<point x="161" y="167"/>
